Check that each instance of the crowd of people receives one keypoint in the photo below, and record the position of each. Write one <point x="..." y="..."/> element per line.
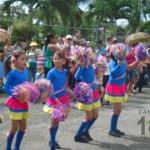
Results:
<point x="55" y="62"/>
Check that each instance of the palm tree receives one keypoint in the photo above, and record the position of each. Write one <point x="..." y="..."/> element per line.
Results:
<point x="64" y="13"/>
<point x="108" y="11"/>
<point x="29" y="3"/>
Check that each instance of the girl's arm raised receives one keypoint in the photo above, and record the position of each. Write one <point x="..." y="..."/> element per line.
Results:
<point x="53" y="48"/>
<point x="133" y="65"/>
<point x="79" y="73"/>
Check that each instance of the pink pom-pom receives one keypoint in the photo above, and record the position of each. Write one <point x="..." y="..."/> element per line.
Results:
<point x="45" y="88"/>
<point x="100" y="64"/>
<point x="60" y="112"/>
<point x="119" y="50"/>
<point x="34" y="92"/>
<point x="140" y="52"/>
<point x="26" y="91"/>
<point x="84" y="56"/>
<point x="21" y="93"/>
<point x="83" y="93"/>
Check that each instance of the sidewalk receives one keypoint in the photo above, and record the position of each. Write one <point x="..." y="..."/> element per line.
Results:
<point x="134" y="121"/>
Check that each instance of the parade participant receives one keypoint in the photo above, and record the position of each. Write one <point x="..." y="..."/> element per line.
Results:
<point x="115" y="91"/>
<point x="59" y="79"/>
<point x="87" y="75"/>
<point x="18" y="111"/>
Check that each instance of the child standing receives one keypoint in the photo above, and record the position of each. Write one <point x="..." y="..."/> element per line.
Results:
<point x="59" y="79"/>
<point x="32" y="60"/>
<point x="116" y="88"/>
<point x="87" y="75"/>
<point x="105" y="78"/>
<point x="39" y="72"/>
<point x="18" y="111"/>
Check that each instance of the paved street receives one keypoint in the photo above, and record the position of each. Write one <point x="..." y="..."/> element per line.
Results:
<point x="37" y="136"/>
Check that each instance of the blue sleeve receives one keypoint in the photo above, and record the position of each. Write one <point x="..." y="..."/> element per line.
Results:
<point x="113" y="69"/>
<point x="50" y="77"/>
<point x="7" y="85"/>
<point x="79" y="73"/>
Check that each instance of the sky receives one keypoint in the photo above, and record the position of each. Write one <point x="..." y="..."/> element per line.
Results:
<point x="2" y="1"/>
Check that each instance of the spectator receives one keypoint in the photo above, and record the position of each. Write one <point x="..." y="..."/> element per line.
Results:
<point x="32" y="54"/>
<point x="108" y="42"/>
<point x="8" y="49"/>
<point x="19" y="45"/>
<point x="100" y="50"/>
<point x="76" y="35"/>
<point x="60" y="42"/>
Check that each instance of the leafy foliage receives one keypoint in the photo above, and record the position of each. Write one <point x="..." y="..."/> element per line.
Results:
<point x="62" y="16"/>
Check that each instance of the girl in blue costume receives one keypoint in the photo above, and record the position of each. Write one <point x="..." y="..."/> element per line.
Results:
<point x="59" y="79"/>
<point x="116" y="92"/>
<point x="18" y="111"/>
<point x="87" y="75"/>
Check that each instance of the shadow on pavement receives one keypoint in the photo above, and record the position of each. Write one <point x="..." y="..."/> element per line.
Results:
<point x="139" y="144"/>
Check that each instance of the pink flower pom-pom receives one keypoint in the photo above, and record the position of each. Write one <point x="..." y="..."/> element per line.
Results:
<point x="60" y="112"/>
<point x="119" y="51"/>
<point x="21" y="93"/>
<point x="100" y="64"/>
<point x="34" y="92"/>
<point x="26" y="91"/>
<point x="83" y="93"/>
<point x="140" y="52"/>
<point x="84" y="55"/>
<point x="45" y="88"/>
<point x="77" y="49"/>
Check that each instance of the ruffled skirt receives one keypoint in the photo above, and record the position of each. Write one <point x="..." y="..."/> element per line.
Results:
<point x="93" y="105"/>
<point x="116" y="93"/>
<point x="16" y="109"/>
<point x="50" y="103"/>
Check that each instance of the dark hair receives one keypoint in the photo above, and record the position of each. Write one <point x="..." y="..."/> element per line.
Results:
<point x="2" y="56"/>
<point x="7" y="64"/>
<point x="1" y="50"/>
<point x="76" y="31"/>
<point x="19" y="39"/>
<point x="99" y="41"/>
<point x="62" y="55"/>
<point x="7" y="40"/>
<point x="112" y="57"/>
<point x="48" y="38"/>
<point x="109" y="38"/>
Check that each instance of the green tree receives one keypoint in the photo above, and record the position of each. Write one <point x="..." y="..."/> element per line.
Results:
<point x="29" y="3"/>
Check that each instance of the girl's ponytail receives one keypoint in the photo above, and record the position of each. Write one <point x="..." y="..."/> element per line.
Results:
<point x="7" y="65"/>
